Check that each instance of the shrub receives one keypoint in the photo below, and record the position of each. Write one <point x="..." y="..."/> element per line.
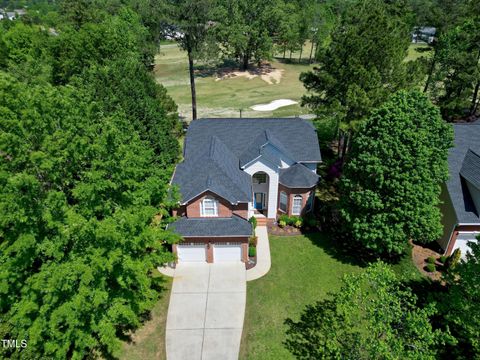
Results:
<point x="431" y="260"/>
<point x="453" y="259"/>
<point x="284" y="218"/>
<point x="443" y="259"/>
<point x="252" y="251"/>
<point x="310" y="221"/>
<point x="298" y="223"/>
<point x="253" y="221"/>
<point x="430" y="268"/>
<point x="282" y="223"/>
<point x="253" y="240"/>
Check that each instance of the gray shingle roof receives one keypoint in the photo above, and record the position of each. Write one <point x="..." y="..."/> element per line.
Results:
<point x="298" y="176"/>
<point x="470" y="170"/>
<point x="234" y="226"/>
<point x="257" y="148"/>
<point x="467" y="138"/>
<point x="215" y="168"/>
<point x="297" y="136"/>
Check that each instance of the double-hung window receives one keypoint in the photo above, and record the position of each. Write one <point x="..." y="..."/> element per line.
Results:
<point x="297" y="205"/>
<point x="283" y="201"/>
<point x="209" y="207"/>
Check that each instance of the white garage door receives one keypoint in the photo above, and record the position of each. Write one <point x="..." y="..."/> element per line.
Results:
<point x="191" y="253"/>
<point x="227" y="252"/>
<point x="462" y="241"/>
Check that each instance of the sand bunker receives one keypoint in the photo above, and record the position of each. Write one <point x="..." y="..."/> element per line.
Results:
<point x="265" y="72"/>
<point x="273" y="105"/>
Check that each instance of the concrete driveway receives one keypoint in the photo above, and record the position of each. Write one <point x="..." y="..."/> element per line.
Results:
<point x="206" y="311"/>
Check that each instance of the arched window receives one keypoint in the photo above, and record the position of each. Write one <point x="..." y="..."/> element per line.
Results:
<point x="297" y="205"/>
<point x="283" y="201"/>
<point x="209" y="207"/>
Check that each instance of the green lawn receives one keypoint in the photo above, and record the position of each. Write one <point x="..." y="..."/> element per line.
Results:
<point x="224" y="98"/>
<point x="148" y="342"/>
<point x="304" y="269"/>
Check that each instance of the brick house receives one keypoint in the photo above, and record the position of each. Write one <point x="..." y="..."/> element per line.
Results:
<point x="461" y="193"/>
<point x="233" y="169"/>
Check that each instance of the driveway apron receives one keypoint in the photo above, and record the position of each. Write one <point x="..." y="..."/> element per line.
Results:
<point x="206" y="311"/>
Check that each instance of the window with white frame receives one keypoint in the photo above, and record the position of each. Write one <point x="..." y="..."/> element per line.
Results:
<point x="209" y="207"/>
<point x="283" y="201"/>
<point x="297" y="205"/>
<point x="260" y="178"/>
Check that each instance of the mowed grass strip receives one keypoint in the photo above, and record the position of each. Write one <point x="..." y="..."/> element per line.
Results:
<point x="148" y="342"/>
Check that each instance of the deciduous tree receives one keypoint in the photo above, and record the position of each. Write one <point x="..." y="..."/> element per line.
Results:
<point x="372" y="316"/>
<point x="391" y="185"/>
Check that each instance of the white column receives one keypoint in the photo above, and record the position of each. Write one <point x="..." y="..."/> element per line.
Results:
<point x="272" y="195"/>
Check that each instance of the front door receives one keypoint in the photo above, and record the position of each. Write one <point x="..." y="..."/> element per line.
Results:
<point x="259" y="201"/>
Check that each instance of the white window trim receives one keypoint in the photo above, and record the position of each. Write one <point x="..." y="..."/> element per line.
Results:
<point x="280" y="202"/>
<point x="297" y="197"/>
<point x="215" y="207"/>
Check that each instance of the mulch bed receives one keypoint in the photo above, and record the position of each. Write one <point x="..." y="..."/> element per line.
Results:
<point x="420" y="254"/>
<point x="285" y="231"/>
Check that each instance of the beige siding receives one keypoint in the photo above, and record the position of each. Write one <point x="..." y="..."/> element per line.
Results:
<point x="449" y="219"/>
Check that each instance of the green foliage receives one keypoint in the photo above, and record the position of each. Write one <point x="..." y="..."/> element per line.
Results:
<point x="459" y="305"/>
<point x="349" y="82"/>
<point x="391" y="184"/>
<point x="252" y="251"/>
<point x="453" y="260"/>
<point x="456" y="70"/>
<point x="246" y="29"/>
<point x="430" y="267"/>
<point x="431" y="260"/>
<point x="252" y="240"/>
<point x="443" y="259"/>
<point x="372" y="316"/>
<point x="282" y="223"/>
<point x="253" y="221"/>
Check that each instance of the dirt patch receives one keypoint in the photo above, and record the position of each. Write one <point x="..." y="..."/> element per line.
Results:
<point x="419" y="256"/>
<point x="265" y="71"/>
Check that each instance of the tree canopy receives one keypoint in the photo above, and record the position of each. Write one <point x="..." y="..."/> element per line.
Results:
<point x="372" y="316"/>
<point x="391" y="185"/>
<point x="87" y="149"/>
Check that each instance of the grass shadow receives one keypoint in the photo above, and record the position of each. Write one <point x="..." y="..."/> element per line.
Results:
<point x="336" y="249"/>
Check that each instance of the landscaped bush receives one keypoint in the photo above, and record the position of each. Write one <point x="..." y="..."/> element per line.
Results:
<point x="443" y="259"/>
<point x="453" y="259"/>
<point x="253" y="240"/>
<point x="298" y="223"/>
<point x="282" y="223"/>
<point x="253" y="221"/>
<point x="252" y="251"/>
<point x="431" y="260"/>
<point x="285" y="219"/>
<point x="430" y="268"/>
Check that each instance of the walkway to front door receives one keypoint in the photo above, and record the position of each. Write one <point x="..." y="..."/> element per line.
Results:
<point x="206" y="311"/>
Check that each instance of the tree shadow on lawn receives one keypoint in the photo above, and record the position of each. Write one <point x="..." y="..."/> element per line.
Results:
<point x="159" y="284"/>
<point x="347" y="252"/>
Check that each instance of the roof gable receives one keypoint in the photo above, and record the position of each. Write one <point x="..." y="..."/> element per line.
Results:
<point x="470" y="170"/>
<point x="466" y="139"/>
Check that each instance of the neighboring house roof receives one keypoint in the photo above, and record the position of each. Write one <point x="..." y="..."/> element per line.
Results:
<point x="296" y="136"/>
<point x="460" y="163"/>
<point x="470" y="170"/>
<point x="234" y="226"/>
<point x="215" y="168"/>
<point x="298" y="176"/>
